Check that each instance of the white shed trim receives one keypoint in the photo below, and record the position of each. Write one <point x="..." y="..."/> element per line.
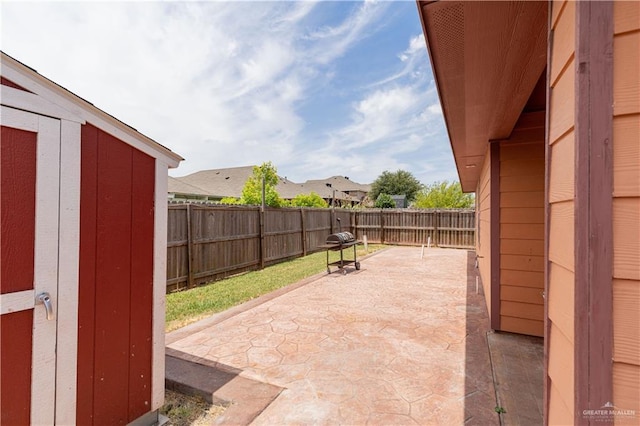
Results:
<point x="29" y="102"/>
<point x="159" y="285"/>
<point x="68" y="274"/>
<point x="45" y="278"/>
<point x="16" y="302"/>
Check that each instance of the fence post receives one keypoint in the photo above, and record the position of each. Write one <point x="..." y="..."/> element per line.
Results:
<point x="190" y="283"/>
<point x="303" y="231"/>
<point x="436" y="231"/>
<point x="352" y="223"/>
<point x="262" y="248"/>
<point x="333" y="219"/>
<point x="381" y="226"/>
<point x="356" y="216"/>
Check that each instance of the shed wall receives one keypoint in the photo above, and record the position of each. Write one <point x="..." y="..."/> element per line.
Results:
<point x="626" y="206"/>
<point x="560" y="167"/>
<point x="116" y="280"/>
<point x="483" y="231"/>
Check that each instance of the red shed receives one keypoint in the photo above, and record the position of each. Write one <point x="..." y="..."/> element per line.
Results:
<point x="82" y="282"/>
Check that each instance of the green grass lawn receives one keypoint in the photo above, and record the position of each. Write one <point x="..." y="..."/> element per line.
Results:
<point x="192" y="305"/>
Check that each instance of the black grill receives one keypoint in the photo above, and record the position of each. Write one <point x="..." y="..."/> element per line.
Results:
<point x="339" y="242"/>
<point x="341" y="238"/>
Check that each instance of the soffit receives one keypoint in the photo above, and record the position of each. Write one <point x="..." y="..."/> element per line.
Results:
<point x="487" y="58"/>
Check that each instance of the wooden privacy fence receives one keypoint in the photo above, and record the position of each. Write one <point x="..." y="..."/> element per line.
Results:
<point x="445" y="228"/>
<point x="208" y="242"/>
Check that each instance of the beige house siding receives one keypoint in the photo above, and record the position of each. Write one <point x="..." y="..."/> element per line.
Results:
<point x="483" y="236"/>
<point x="626" y="206"/>
<point x="522" y="236"/>
<point x="561" y="215"/>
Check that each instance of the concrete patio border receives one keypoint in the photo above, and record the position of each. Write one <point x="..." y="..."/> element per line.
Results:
<point x="219" y="384"/>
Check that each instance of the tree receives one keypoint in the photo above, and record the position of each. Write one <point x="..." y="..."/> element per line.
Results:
<point x="252" y="191"/>
<point x="230" y="200"/>
<point x="443" y="195"/>
<point x="384" y="201"/>
<point x="397" y="183"/>
<point x="308" y="200"/>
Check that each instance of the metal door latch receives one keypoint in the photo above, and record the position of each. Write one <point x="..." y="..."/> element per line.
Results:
<point x="45" y="299"/>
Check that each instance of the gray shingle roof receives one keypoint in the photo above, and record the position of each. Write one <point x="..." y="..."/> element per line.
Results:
<point x="342" y="183"/>
<point x="229" y="183"/>
<point x="320" y="188"/>
<point x="177" y="186"/>
<point x="221" y="182"/>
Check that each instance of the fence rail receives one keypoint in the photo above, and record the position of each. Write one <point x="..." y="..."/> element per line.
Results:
<point x="205" y="242"/>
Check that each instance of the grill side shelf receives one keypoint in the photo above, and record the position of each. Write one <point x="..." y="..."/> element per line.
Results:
<point x="338" y="246"/>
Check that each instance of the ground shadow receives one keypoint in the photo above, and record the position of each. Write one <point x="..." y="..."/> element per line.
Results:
<point x="219" y="384"/>
<point x="511" y="363"/>
<point x="190" y="374"/>
<point x="480" y="397"/>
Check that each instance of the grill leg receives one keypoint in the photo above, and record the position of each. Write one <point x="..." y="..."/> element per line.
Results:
<point x="355" y="259"/>
<point x="328" y="269"/>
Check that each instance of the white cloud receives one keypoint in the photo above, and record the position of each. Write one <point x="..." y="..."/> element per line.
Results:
<point x="414" y="59"/>
<point x="392" y="125"/>
<point x="378" y="116"/>
<point x="417" y="45"/>
<point x="221" y="83"/>
<point x="197" y="77"/>
<point x="331" y="42"/>
<point x="435" y="109"/>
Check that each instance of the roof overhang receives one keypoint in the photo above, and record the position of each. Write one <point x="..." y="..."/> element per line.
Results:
<point x="486" y="58"/>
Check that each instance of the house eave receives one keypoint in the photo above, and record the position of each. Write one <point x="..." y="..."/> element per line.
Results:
<point x="486" y="59"/>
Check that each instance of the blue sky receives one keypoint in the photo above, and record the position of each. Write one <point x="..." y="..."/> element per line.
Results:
<point x="317" y="88"/>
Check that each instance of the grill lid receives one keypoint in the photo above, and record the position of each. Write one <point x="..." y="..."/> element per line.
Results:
<point x="340" y="238"/>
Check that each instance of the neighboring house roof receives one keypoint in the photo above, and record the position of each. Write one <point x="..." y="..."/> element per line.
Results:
<point x="176" y="186"/>
<point x="229" y="182"/>
<point x="222" y="182"/>
<point x="288" y="189"/>
<point x="324" y="191"/>
<point x="341" y="183"/>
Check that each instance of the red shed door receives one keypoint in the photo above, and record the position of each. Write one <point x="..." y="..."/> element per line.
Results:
<point x="29" y="206"/>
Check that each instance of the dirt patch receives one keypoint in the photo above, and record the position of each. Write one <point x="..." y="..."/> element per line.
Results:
<point x="185" y="410"/>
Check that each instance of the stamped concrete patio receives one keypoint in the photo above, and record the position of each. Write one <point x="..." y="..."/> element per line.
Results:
<point x="402" y="341"/>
